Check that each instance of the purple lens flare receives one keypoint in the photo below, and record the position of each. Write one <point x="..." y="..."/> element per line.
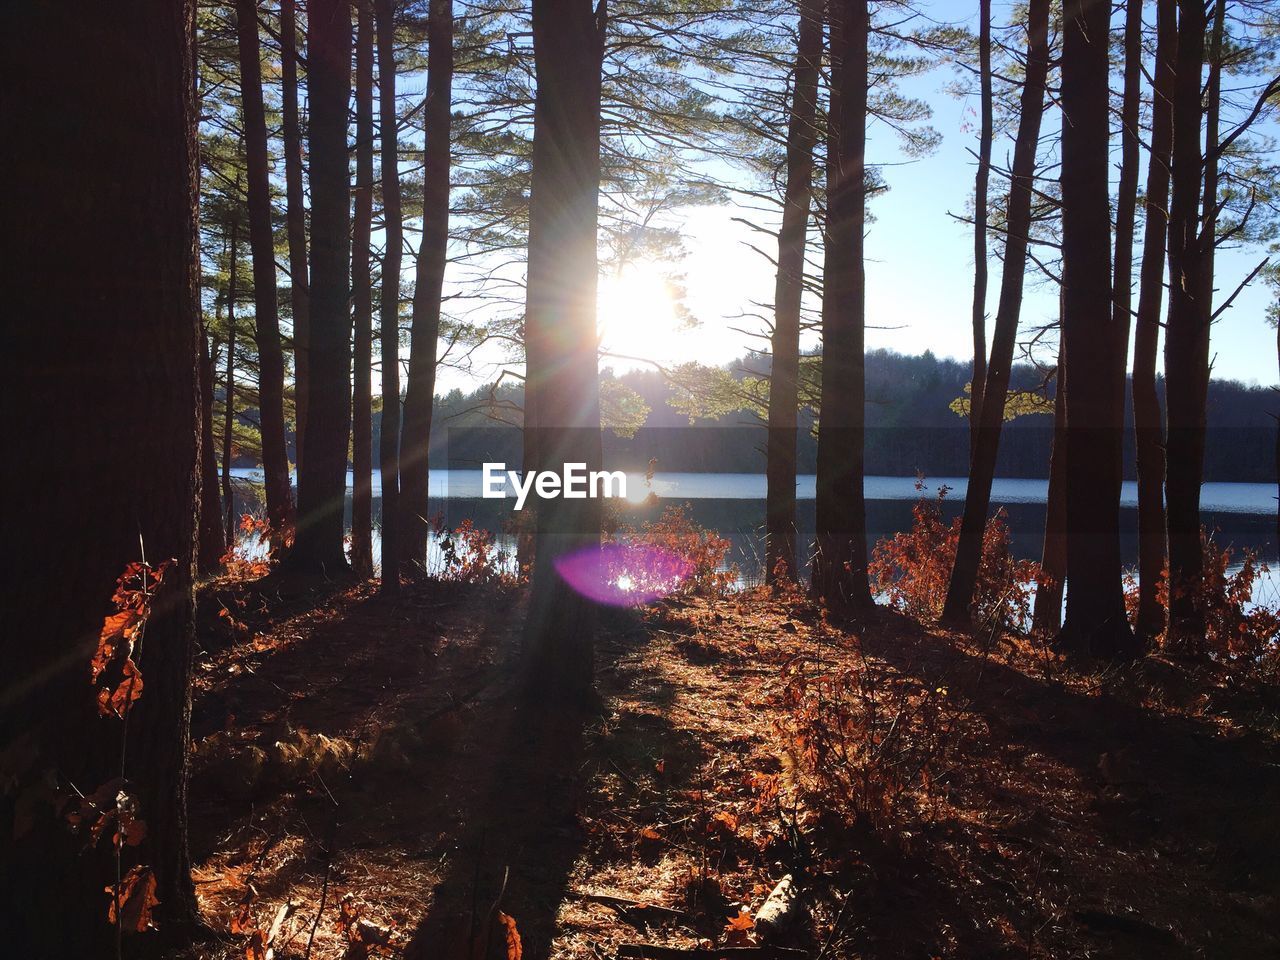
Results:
<point x="622" y="574"/>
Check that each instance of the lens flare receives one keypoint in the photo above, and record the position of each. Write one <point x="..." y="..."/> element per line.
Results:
<point x="623" y="575"/>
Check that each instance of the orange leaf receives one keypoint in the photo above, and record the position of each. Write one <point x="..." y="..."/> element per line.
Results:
<point x="742" y="921"/>
<point x="514" y="949"/>
<point x="136" y="898"/>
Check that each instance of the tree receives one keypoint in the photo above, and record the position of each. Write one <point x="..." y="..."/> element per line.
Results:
<point x="275" y="458"/>
<point x="784" y="376"/>
<point x="1096" y="622"/>
<point x="562" y="382"/>
<point x="432" y="257"/>
<point x="295" y="214"/>
<point x="362" y="302"/>
<point x="990" y="415"/>
<point x="982" y="181"/>
<point x="213" y="536"/>
<point x="1047" y="617"/>
<point x="1148" y="429"/>
<point x="229" y="384"/>
<point x="322" y="480"/>
<point x="102" y="345"/>
<point x="389" y="315"/>
<point x="840" y="561"/>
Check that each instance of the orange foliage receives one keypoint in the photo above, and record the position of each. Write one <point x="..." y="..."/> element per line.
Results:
<point x="913" y="568"/>
<point x="1232" y="626"/>
<point x="704" y="551"/>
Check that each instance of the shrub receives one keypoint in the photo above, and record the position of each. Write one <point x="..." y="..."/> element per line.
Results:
<point x="703" y="552"/>
<point x="469" y="554"/>
<point x="1233" y="625"/>
<point x="866" y="741"/>
<point x="912" y="569"/>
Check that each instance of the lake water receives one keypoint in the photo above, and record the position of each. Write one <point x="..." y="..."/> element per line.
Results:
<point x="732" y="504"/>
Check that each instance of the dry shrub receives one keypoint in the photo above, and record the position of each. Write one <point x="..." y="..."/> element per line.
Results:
<point x="703" y="551"/>
<point x="912" y="568"/>
<point x="865" y="742"/>
<point x="469" y="554"/>
<point x="1233" y="626"/>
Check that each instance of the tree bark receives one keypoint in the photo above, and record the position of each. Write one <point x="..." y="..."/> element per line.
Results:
<point x="229" y="388"/>
<point x="982" y="467"/>
<point x="362" y="303"/>
<point x="561" y="341"/>
<point x="1047" y="617"/>
<point x="784" y="371"/>
<point x="213" y="536"/>
<point x="840" y="561"/>
<point x="1186" y="338"/>
<point x="1127" y="187"/>
<point x="981" y="183"/>
<point x="389" y="318"/>
<point x="295" y="216"/>
<point x="322" y="481"/>
<point x="101" y="344"/>
<point x="432" y="257"/>
<point x="1096" y="622"/>
<point x="1147" y="416"/>
<point x="266" y="326"/>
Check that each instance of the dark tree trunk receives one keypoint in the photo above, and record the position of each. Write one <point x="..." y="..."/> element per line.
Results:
<point x="1047" y="617"/>
<point x="981" y="183"/>
<point x="322" y="481"/>
<point x="1147" y="416"/>
<point x="982" y="467"/>
<point x="213" y="536"/>
<point x="229" y="388"/>
<point x="101" y="346"/>
<point x="295" y="215"/>
<point x="840" y="560"/>
<point x="1127" y="187"/>
<point x="389" y="318"/>
<point x="432" y="256"/>
<point x="560" y="333"/>
<point x="1096" y="622"/>
<point x="362" y="302"/>
<point x="1186" y="338"/>
<point x="266" y="326"/>
<point x="784" y="372"/>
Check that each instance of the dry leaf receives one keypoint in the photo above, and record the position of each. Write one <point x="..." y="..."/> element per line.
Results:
<point x="514" y="949"/>
<point x="136" y="899"/>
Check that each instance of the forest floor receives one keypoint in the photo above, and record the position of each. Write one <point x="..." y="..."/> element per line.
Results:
<point x="367" y="783"/>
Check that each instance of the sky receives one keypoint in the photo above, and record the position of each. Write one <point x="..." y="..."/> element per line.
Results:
<point x="919" y="266"/>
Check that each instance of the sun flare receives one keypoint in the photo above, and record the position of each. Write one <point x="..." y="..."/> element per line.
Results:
<point x="639" y="313"/>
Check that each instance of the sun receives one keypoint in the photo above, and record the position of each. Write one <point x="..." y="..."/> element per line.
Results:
<point x="639" y="314"/>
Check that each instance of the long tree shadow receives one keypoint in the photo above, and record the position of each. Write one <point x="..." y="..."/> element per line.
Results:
<point x="1149" y="780"/>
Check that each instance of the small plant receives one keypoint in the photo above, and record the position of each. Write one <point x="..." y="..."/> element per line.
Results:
<point x="913" y="568"/>
<point x="1234" y="626"/>
<point x="702" y="552"/>
<point x="866" y="741"/>
<point x="469" y="554"/>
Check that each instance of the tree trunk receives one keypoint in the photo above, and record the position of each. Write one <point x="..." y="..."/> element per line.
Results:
<point x="1186" y="338"/>
<point x="1047" y="617"/>
<point x="322" y="482"/>
<point x="266" y="326"/>
<point x="561" y="342"/>
<point x="432" y="256"/>
<point x="389" y="318"/>
<point x="981" y="183"/>
<point x="213" y="536"/>
<point x="229" y="388"/>
<point x="295" y="216"/>
<point x="784" y="372"/>
<point x="1096" y="622"/>
<point x="1127" y="187"/>
<point x="982" y="467"/>
<point x="362" y="302"/>
<point x="840" y="561"/>
<point x="1147" y="417"/>
<point x="101" y="346"/>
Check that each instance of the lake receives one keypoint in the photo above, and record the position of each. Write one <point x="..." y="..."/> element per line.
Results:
<point x="732" y="504"/>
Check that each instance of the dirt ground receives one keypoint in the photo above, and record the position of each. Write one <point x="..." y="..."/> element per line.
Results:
<point x="367" y="783"/>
